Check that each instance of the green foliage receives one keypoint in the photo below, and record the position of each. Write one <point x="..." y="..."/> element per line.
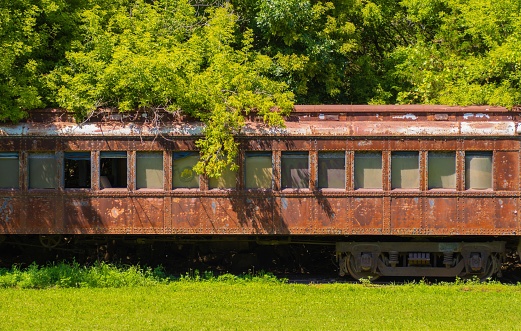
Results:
<point x="34" y="36"/>
<point x="250" y="277"/>
<point x="163" y="55"/>
<point x="218" y="61"/>
<point x="63" y="275"/>
<point x="470" y="55"/>
<point x="104" y="275"/>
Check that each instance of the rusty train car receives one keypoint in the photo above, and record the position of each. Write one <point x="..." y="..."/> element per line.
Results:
<point x="399" y="190"/>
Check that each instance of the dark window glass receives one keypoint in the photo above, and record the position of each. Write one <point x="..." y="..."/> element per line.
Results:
<point x="258" y="170"/>
<point x="113" y="170"/>
<point x="183" y="175"/>
<point x="9" y="170"/>
<point x="42" y="170"/>
<point x="331" y="170"/>
<point x="76" y="169"/>
<point x="295" y="170"/>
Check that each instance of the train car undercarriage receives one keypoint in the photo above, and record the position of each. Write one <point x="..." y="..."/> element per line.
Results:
<point x="427" y="259"/>
<point x="360" y="258"/>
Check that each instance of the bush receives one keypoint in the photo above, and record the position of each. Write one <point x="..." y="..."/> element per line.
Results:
<point x="65" y="275"/>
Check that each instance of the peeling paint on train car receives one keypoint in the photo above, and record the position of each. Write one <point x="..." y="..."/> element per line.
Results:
<point x="310" y="211"/>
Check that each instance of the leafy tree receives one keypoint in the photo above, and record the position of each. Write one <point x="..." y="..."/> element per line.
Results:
<point x="34" y="36"/>
<point x="465" y="52"/>
<point x="163" y="55"/>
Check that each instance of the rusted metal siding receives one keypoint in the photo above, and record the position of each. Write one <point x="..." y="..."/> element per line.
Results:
<point x="307" y="211"/>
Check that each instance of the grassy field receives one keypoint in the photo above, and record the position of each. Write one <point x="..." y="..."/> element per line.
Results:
<point x="257" y="306"/>
<point x="261" y="303"/>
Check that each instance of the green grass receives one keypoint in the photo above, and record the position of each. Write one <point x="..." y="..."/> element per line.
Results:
<point x="260" y="302"/>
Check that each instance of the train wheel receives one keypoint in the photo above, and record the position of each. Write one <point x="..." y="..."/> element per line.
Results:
<point x="491" y="268"/>
<point x="351" y="267"/>
<point x="50" y="240"/>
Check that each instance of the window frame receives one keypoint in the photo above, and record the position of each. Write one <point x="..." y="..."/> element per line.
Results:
<point x="465" y="170"/>
<point x="195" y="176"/>
<point x="308" y="169"/>
<point x="245" y="170"/>
<point x="419" y="174"/>
<point x="344" y="170"/>
<point x="160" y="155"/>
<point x="90" y="171"/>
<point x="53" y="156"/>
<point x="10" y="155"/>
<point x="428" y="179"/>
<point x="382" y="164"/>
<point x="127" y="175"/>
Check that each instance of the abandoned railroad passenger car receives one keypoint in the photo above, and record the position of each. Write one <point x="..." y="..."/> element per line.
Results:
<point x="400" y="190"/>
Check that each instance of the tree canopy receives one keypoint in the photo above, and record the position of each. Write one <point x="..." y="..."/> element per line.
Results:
<point x="218" y="60"/>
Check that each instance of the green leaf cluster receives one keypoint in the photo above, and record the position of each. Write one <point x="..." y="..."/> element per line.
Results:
<point x="218" y="61"/>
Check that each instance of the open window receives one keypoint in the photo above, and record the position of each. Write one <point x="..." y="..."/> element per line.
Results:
<point x="405" y="170"/>
<point x="295" y="170"/>
<point x="9" y="170"/>
<point x="113" y="170"/>
<point x="478" y="170"/>
<point x="368" y="170"/>
<point x="42" y="171"/>
<point x="76" y="169"/>
<point x="258" y="170"/>
<point x="183" y="175"/>
<point x="332" y="170"/>
<point x="149" y="170"/>
<point x="442" y="170"/>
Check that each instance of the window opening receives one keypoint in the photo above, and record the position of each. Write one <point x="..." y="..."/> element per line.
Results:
<point x="295" y="170"/>
<point x="9" y="170"/>
<point x="149" y="170"/>
<point x="478" y="170"/>
<point x="332" y="170"/>
<point x="405" y="170"/>
<point x="113" y="170"/>
<point x="258" y="170"/>
<point x="77" y="169"/>
<point x="183" y="175"/>
<point x="442" y="170"/>
<point x="368" y="170"/>
<point x="42" y="171"/>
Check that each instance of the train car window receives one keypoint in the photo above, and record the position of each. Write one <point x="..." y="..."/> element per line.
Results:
<point x="405" y="170"/>
<point x="76" y="169"/>
<point x="9" y="170"/>
<point x="332" y="170"/>
<point x="113" y="170"/>
<point x="149" y="170"/>
<point x="295" y="170"/>
<point x="258" y="170"/>
<point x="368" y="170"/>
<point x="442" y="170"/>
<point x="228" y="180"/>
<point x="478" y="170"/>
<point x="42" y="170"/>
<point x="183" y="175"/>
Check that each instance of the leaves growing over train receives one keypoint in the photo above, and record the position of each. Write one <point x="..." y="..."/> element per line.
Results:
<point x="162" y="54"/>
<point x="219" y="60"/>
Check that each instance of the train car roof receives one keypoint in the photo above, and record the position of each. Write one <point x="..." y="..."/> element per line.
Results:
<point x="304" y="121"/>
<point x="400" y="109"/>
